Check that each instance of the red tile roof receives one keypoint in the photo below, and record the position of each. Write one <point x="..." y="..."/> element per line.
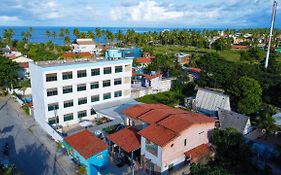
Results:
<point x="150" y="77"/>
<point x="239" y="47"/>
<point x="181" y="122"/>
<point x="138" y="110"/>
<point x="127" y="139"/>
<point x="74" y="55"/>
<point x="198" y="152"/>
<point x="86" y="143"/>
<point x="143" y="60"/>
<point x="89" y="42"/>
<point x="158" y="135"/>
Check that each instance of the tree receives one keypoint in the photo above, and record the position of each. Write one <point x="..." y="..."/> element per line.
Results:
<point x="253" y="54"/>
<point x="221" y="44"/>
<point x="66" y="31"/>
<point x="48" y="33"/>
<point x="231" y="148"/>
<point x="200" y="169"/>
<point x="247" y="94"/>
<point x="54" y="34"/>
<point x="76" y="32"/>
<point x="8" y="35"/>
<point x="119" y="37"/>
<point x="98" y="33"/>
<point x="8" y="72"/>
<point x="24" y="84"/>
<point x="26" y="36"/>
<point x="67" y="40"/>
<point x="90" y="34"/>
<point x="265" y="120"/>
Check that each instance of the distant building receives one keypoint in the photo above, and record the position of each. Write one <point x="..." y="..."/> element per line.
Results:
<point x="85" y="45"/>
<point x="66" y="92"/>
<point x="239" y="47"/>
<point x="231" y="119"/>
<point x="71" y="55"/>
<point x="88" y="150"/>
<point x="183" y="58"/>
<point x="209" y="101"/>
<point x="23" y="62"/>
<point x="143" y="61"/>
<point x="170" y="138"/>
<point x="117" y="53"/>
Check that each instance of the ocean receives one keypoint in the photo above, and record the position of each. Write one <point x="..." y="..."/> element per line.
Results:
<point x="38" y="34"/>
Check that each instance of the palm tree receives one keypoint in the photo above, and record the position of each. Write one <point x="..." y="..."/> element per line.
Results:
<point x="26" y="36"/>
<point x="66" y="31"/>
<point x="98" y="34"/>
<point x="8" y="35"/>
<point x="61" y="34"/>
<point x="91" y="35"/>
<point x="76" y="32"/>
<point x="48" y="33"/>
<point x="54" y="34"/>
<point x="266" y="122"/>
<point x="119" y="37"/>
<point x="67" y="40"/>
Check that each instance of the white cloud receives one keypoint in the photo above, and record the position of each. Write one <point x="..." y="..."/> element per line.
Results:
<point x="8" y="18"/>
<point x="147" y="11"/>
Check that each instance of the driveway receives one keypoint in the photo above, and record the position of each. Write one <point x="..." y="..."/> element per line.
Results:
<point x="28" y="152"/>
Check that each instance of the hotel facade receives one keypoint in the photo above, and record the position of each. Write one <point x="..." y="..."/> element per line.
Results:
<point x="66" y="92"/>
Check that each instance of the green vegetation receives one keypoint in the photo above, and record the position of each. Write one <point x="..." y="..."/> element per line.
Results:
<point x="200" y="169"/>
<point x="25" y="109"/>
<point x="170" y="98"/>
<point x="8" y="72"/>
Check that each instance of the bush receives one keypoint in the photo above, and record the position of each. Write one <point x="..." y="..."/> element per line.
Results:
<point x="25" y="109"/>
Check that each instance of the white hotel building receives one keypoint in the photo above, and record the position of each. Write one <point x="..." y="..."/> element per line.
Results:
<point x="71" y="89"/>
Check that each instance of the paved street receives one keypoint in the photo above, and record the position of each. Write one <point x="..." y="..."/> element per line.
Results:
<point x="31" y="150"/>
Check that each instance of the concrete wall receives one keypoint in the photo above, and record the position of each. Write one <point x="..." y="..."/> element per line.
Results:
<point x="155" y="160"/>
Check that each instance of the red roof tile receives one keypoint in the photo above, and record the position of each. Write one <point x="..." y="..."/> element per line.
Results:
<point x="198" y="152"/>
<point x="150" y="77"/>
<point x="239" y="47"/>
<point x="158" y="135"/>
<point x="143" y="60"/>
<point x="127" y="139"/>
<point x="86" y="143"/>
<point x="181" y="122"/>
<point x="138" y="110"/>
<point x="74" y="55"/>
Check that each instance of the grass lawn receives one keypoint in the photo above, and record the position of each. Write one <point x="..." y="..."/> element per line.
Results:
<point x="169" y="98"/>
<point x="230" y="55"/>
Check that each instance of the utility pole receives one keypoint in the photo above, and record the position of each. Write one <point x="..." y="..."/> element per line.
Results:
<point x="271" y="32"/>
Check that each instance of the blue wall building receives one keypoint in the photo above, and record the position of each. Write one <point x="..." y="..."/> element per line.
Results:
<point x="130" y="53"/>
<point x="88" y="150"/>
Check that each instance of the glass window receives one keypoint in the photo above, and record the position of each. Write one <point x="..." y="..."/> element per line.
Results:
<point x="95" y="98"/>
<point x="82" y="101"/>
<point x="107" y="70"/>
<point x="67" y="89"/>
<point x="151" y="147"/>
<point x="106" y="96"/>
<point x="68" y="117"/>
<point x="82" y="114"/>
<point x="51" y="77"/>
<point x="185" y="141"/>
<point x="93" y="112"/>
<point x="53" y="106"/>
<point x="66" y="75"/>
<point x="81" y="87"/>
<point x="52" y="121"/>
<point x="106" y="83"/>
<point x="95" y="72"/>
<point x="68" y="104"/>
<point x="117" y="81"/>
<point x="117" y="93"/>
<point x="52" y="92"/>
<point x="81" y="73"/>
<point x="118" y="69"/>
<point x="95" y="85"/>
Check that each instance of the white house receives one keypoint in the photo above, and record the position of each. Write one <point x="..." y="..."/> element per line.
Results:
<point x="23" y="66"/>
<point x="65" y="92"/>
<point x="85" y="45"/>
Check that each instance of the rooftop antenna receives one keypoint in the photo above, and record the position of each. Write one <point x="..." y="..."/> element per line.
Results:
<point x="271" y="31"/>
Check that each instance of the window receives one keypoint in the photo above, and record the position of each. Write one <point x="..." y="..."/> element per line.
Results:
<point x="66" y="75"/>
<point x="93" y="112"/>
<point x="53" y="120"/>
<point x="67" y="89"/>
<point x="106" y="83"/>
<point x="118" y="69"/>
<point x="117" y="81"/>
<point x="106" y="96"/>
<point x="151" y="147"/>
<point x="185" y="141"/>
<point x="52" y="92"/>
<point x="95" y="85"/>
<point x="95" y="72"/>
<point x="81" y="87"/>
<point x="128" y="68"/>
<point x="82" y="101"/>
<point x="82" y="114"/>
<point x="117" y="93"/>
<point x="53" y="106"/>
<point x="81" y="73"/>
<point x="68" y="104"/>
<point x="51" y="77"/>
<point x="107" y="70"/>
<point x="95" y="98"/>
<point x="68" y="117"/>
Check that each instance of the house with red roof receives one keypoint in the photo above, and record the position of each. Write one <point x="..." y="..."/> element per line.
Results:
<point x="88" y="150"/>
<point x="170" y="137"/>
<point x="143" y="61"/>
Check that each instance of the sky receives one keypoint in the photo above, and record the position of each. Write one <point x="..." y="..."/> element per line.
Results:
<point x="139" y="13"/>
